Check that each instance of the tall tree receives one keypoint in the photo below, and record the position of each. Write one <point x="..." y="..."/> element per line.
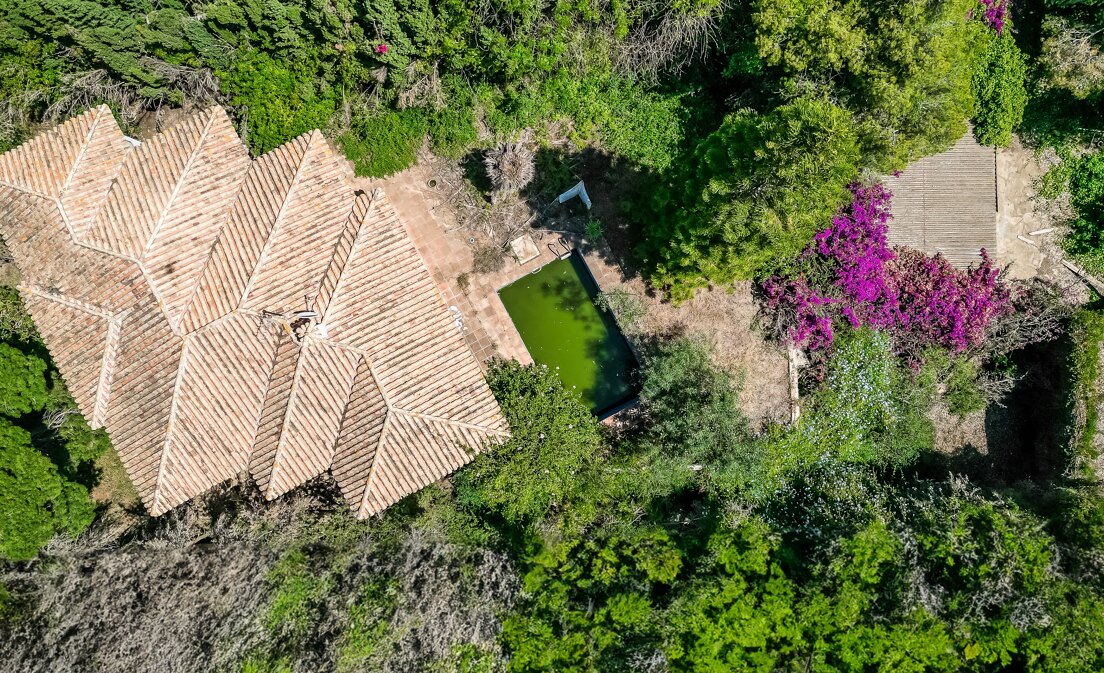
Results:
<point x="756" y="190"/>
<point x="35" y="502"/>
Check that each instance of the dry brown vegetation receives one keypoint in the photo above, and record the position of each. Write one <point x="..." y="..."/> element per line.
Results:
<point x="193" y="591"/>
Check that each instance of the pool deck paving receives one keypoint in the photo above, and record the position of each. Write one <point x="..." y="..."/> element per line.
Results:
<point x="487" y="326"/>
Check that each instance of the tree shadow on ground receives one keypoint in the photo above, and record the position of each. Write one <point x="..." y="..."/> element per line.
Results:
<point x="475" y="171"/>
<point x="1027" y="434"/>
<point x="619" y="194"/>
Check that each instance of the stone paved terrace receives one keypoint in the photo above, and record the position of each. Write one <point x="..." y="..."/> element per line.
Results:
<point x="487" y="326"/>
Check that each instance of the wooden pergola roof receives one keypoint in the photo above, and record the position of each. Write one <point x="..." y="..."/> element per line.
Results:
<point x="947" y="203"/>
<point x="219" y="314"/>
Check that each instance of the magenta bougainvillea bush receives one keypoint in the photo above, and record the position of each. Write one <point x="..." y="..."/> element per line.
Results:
<point x="849" y="275"/>
<point x="995" y="13"/>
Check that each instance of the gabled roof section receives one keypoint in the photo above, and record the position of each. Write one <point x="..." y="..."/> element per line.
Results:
<point x="220" y="315"/>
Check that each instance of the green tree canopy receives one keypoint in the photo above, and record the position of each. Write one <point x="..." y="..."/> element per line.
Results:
<point x="22" y="382"/>
<point x="35" y="502"/>
<point x="693" y="420"/>
<point x="757" y="190"/>
<point x="897" y="66"/>
<point x="554" y="446"/>
<point x="1000" y="90"/>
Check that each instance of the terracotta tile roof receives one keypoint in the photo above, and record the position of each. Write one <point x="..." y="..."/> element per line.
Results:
<point x="947" y="203"/>
<point x="220" y="315"/>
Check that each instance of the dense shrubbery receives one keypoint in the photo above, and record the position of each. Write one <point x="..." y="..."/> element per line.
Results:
<point x="385" y="144"/>
<point x="288" y="66"/>
<point x="36" y="501"/>
<point x="999" y="90"/>
<point x="1083" y="176"/>
<point x="739" y="212"/>
<point x="694" y="432"/>
<point x="1087" y="333"/>
<point x="551" y="456"/>
<point x="839" y="566"/>
<point x="869" y="411"/>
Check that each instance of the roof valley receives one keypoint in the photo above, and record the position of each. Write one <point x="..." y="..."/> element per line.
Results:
<point x="170" y="317"/>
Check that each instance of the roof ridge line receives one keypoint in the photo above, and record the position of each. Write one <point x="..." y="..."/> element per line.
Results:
<point x="107" y="373"/>
<point x="170" y="425"/>
<point x="66" y="300"/>
<point x="106" y="196"/>
<point x="263" y="257"/>
<point x="287" y="416"/>
<point x="98" y="111"/>
<point x="177" y="187"/>
<point x="362" y="353"/>
<point x="352" y="246"/>
<point x="345" y="407"/>
<point x="441" y="419"/>
<point x="187" y="306"/>
<point x="362" y="505"/>
<point x="53" y="130"/>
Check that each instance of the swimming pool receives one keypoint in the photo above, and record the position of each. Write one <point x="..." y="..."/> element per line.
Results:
<point x="553" y="310"/>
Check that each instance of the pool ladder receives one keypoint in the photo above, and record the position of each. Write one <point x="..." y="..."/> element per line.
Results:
<point x="560" y="255"/>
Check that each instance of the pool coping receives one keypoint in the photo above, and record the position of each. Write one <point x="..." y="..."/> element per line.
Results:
<point x="633" y="397"/>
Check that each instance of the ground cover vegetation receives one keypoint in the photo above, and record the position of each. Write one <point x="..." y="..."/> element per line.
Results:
<point x="684" y="539"/>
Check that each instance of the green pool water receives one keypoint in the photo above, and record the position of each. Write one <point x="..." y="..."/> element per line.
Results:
<point x="553" y="310"/>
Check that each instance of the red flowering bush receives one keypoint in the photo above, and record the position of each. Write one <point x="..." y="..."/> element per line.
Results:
<point x="850" y="273"/>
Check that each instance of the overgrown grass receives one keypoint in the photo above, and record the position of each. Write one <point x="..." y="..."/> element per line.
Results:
<point x="385" y="144"/>
<point x="368" y="625"/>
<point x="298" y="591"/>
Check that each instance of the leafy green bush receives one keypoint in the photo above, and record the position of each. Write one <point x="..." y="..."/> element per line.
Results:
<point x="867" y="411"/>
<point x="756" y="191"/>
<point x="385" y="144"/>
<point x="279" y="102"/>
<point x="693" y="424"/>
<point x="642" y="126"/>
<point x="35" y="502"/>
<point x="368" y="624"/>
<point x="452" y="129"/>
<point x="962" y="395"/>
<point x="593" y="230"/>
<point x="1000" y="90"/>
<point x="16" y="326"/>
<point x="1087" y="333"/>
<point x="589" y="602"/>
<point x="22" y="382"/>
<point x="80" y="443"/>
<point x="903" y="70"/>
<point x="1084" y="177"/>
<point x="297" y="590"/>
<point x="549" y="459"/>
<point x="709" y="622"/>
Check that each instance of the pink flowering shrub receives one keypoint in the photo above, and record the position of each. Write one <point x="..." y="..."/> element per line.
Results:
<point x="943" y="306"/>
<point x="849" y="273"/>
<point x="995" y="14"/>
